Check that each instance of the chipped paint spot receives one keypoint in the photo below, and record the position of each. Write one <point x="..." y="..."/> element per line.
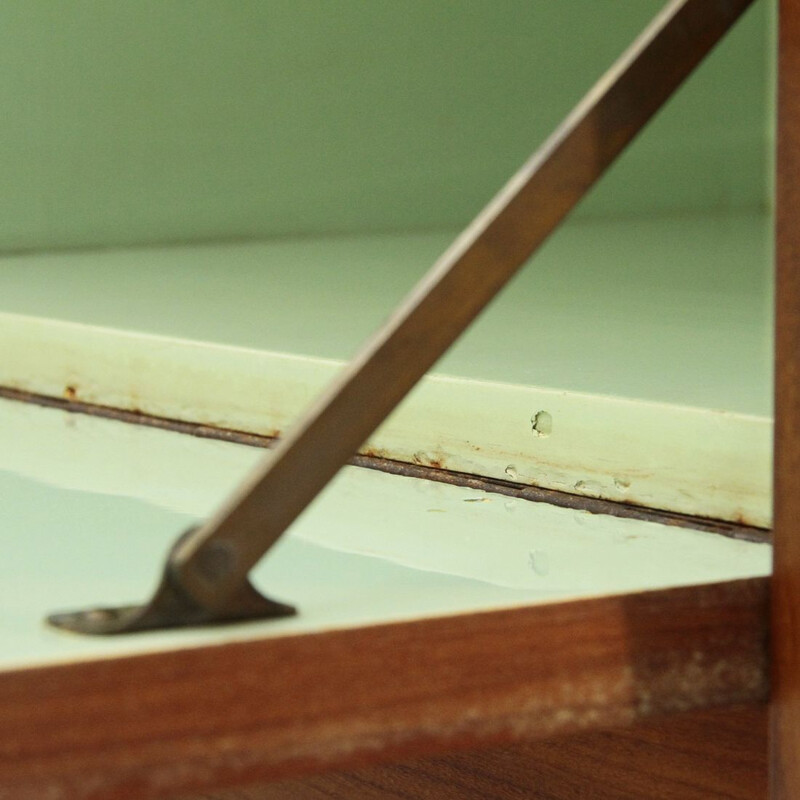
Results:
<point x="539" y="562"/>
<point x="542" y="423"/>
<point x="592" y="488"/>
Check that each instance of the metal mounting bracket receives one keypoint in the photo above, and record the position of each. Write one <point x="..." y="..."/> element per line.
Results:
<point x="172" y="606"/>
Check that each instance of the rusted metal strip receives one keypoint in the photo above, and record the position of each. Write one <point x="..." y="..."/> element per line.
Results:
<point x="479" y="483"/>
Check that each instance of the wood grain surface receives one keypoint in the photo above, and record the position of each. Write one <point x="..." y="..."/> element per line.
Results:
<point x="206" y="718"/>
<point x="720" y="753"/>
<point x="785" y="765"/>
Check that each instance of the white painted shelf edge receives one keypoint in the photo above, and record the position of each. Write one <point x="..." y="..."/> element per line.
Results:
<point x="698" y="461"/>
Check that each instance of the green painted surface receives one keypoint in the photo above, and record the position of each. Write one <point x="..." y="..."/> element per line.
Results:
<point x="676" y="310"/>
<point x="163" y="121"/>
<point x="91" y="506"/>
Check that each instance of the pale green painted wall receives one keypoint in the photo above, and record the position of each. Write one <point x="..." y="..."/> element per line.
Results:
<point x="168" y="120"/>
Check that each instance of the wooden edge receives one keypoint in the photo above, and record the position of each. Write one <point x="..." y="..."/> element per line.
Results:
<point x="785" y="717"/>
<point x="193" y="720"/>
<point x="718" y="752"/>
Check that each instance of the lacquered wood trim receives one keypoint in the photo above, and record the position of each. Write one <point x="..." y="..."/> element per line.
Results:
<point x="195" y="720"/>
<point x="692" y="756"/>
<point x="785" y="764"/>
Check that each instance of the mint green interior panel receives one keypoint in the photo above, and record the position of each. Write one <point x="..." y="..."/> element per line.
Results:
<point x="374" y="548"/>
<point x="674" y="310"/>
<point x="154" y="121"/>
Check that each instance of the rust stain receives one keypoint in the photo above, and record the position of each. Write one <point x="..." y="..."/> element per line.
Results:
<point x="70" y="393"/>
<point x="373" y="452"/>
<point x="428" y="460"/>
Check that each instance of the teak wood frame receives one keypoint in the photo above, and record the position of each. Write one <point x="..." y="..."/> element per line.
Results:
<point x="645" y="649"/>
<point x="785" y="626"/>
<point x="197" y="719"/>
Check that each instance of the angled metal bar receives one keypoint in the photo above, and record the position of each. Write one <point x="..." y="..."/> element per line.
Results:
<point x="205" y="579"/>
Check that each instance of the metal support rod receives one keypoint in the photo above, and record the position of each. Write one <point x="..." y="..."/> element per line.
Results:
<point x="211" y="565"/>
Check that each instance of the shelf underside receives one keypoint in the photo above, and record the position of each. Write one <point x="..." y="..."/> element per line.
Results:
<point x="404" y="586"/>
